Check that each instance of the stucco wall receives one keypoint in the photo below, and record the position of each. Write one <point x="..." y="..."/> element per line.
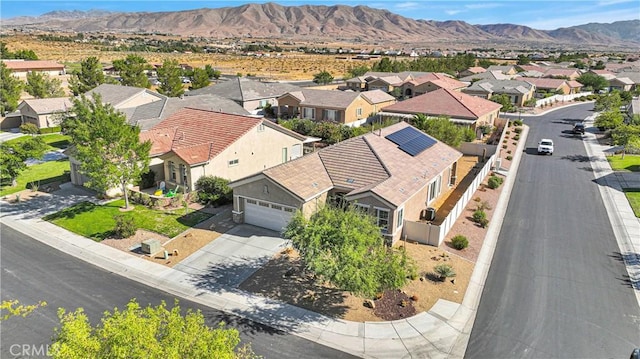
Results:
<point x="138" y="100"/>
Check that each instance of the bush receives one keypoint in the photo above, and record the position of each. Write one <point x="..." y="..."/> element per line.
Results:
<point x="494" y="182"/>
<point x="444" y="271"/>
<point x="504" y="146"/>
<point x="479" y="215"/>
<point x="517" y="123"/>
<point x="516" y="137"/>
<point x="459" y="242"/>
<point x="517" y="130"/>
<point x="147" y="180"/>
<point x="484" y="205"/>
<point x="507" y="132"/>
<point x="509" y="158"/>
<point x="213" y="190"/>
<point x="125" y="226"/>
<point x="29" y="128"/>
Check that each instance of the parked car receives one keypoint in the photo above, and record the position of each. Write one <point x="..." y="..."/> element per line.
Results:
<point x="578" y="128"/>
<point x="545" y="146"/>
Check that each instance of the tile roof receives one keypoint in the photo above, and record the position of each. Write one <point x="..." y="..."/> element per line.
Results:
<point x="377" y="96"/>
<point x="543" y="83"/>
<point x="17" y="65"/>
<point x="439" y="79"/>
<point x="116" y="94"/>
<point x="242" y="89"/>
<point x="476" y="69"/>
<point x="49" y="105"/>
<point x="493" y="75"/>
<point x="561" y="72"/>
<point x="445" y="102"/>
<point x="325" y="98"/>
<point x="368" y="163"/>
<point x="500" y="86"/>
<point x="197" y="135"/>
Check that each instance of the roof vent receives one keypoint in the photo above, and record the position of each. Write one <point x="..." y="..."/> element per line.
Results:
<point x="350" y="180"/>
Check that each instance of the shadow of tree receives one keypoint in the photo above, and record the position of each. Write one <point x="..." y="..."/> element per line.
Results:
<point x="50" y="203"/>
<point x="284" y="295"/>
<point x="531" y="150"/>
<point x="630" y="259"/>
<point x="578" y="158"/>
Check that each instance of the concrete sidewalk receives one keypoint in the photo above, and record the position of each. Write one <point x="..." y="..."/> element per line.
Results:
<point x="442" y="332"/>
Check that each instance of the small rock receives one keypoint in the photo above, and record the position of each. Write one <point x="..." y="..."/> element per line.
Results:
<point x="422" y="279"/>
<point x="453" y="281"/>
<point x="369" y="303"/>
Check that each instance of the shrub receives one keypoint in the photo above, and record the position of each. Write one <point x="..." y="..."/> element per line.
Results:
<point x="29" y="128"/>
<point x="509" y="152"/>
<point x="504" y="146"/>
<point x="483" y="223"/>
<point x="508" y="132"/>
<point x="516" y="137"/>
<point x="459" y="242"/>
<point x="125" y="226"/>
<point x="484" y="205"/>
<point x="444" y="271"/>
<point x="514" y="143"/>
<point x="517" y="130"/>
<point x="504" y="141"/>
<point x="479" y="215"/>
<point x="477" y="199"/>
<point x="509" y="158"/>
<point x="46" y="130"/>
<point x="213" y="190"/>
<point x="494" y="182"/>
<point x="147" y="179"/>
<point x="517" y="123"/>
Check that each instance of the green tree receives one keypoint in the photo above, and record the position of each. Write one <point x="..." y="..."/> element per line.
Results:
<point x="132" y="71"/>
<point x="444" y="130"/>
<point x="41" y="85"/>
<point x="151" y="332"/>
<point x="523" y="60"/>
<point x="608" y="102"/>
<point x="169" y="77"/>
<point x="596" y="82"/>
<point x="200" y="79"/>
<point x="214" y="190"/>
<point x="12" y="156"/>
<point x="627" y="136"/>
<point x="13" y="308"/>
<point x="609" y="119"/>
<point x="355" y="71"/>
<point x="10" y="89"/>
<point x="323" y="78"/>
<point x="600" y="65"/>
<point x="108" y="148"/>
<point x="213" y="73"/>
<point x="505" y="101"/>
<point x="88" y="77"/>
<point x="345" y="247"/>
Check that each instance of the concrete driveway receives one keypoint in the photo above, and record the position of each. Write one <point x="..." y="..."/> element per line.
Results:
<point x="233" y="257"/>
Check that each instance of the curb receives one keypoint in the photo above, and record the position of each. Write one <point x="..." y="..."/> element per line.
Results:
<point x="466" y="314"/>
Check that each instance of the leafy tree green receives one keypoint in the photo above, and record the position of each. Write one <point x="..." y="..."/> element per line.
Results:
<point x="13" y="155"/>
<point x="485" y="63"/>
<point x="211" y="72"/>
<point x="523" y="59"/>
<point x="41" y="85"/>
<point x="600" y="65"/>
<point x="13" y="308"/>
<point x="29" y="128"/>
<point x="10" y="89"/>
<point x="169" y="77"/>
<point x="323" y="78"/>
<point x="151" y="332"/>
<point x="355" y="71"/>
<point x="108" y="148"/>
<point x="608" y="102"/>
<point x="88" y="77"/>
<point x="627" y="136"/>
<point x="609" y="119"/>
<point x="132" y="71"/>
<point x="505" y="101"/>
<point x="200" y="79"/>
<point x="596" y="82"/>
<point x="20" y="54"/>
<point x="441" y="129"/>
<point x="213" y="190"/>
<point x="345" y="247"/>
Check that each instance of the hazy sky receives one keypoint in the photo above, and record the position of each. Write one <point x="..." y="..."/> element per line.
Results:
<point x="540" y="14"/>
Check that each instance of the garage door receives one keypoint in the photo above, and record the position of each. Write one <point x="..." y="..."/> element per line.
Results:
<point x="266" y="214"/>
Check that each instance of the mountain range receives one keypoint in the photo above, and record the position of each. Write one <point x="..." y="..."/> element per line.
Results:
<point x="331" y="23"/>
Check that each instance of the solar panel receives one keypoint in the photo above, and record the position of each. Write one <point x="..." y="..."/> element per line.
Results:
<point x="402" y="136"/>
<point x="415" y="146"/>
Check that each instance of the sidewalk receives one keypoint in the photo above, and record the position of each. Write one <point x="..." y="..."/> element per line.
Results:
<point x="442" y="332"/>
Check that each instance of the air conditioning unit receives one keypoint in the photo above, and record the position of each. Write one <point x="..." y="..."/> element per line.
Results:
<point x="428" y="214"/>
<point x="150" y="246"/>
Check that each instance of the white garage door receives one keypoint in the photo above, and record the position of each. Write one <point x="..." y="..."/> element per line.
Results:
<point x="266" y="214"/>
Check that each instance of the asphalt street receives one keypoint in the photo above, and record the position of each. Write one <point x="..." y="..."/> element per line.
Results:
<point x="32" y="271"/>
<point x="557" y="286"/>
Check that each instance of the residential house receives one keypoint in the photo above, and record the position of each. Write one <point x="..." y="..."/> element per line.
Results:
<point x="472" y="71"/>
<point x="250" y="94"/>
<point x="459" y="107"/>
<point x="386" y="81"/>
<point x="345" y="107"/>
<point x="548" y="85"/>
<point x="44" y="112"/>
<point x="20" y="68"/>
<point x="193" y="143"/>
<point x="392" y="174"/>
<point x="634" y="76"/>
<point x="563" y="73"/>
<point x="430" y="82"/>
<point x="634" y="107"/>
<point x="518" y="91"/>
<point x="487" y="75"/>
<point x="621" y="84"/>
<point x="504" y="69"/>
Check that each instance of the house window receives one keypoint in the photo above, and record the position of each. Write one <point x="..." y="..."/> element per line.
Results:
<point x="252" y="201"/>
<point x="400" y="217"/>
<point x="434" y="189"/>
<point x="172" y="171"/>
<point x="359" y="111"/>
<point x="309" y="113"/>
<point x="234" y="162"/>
<point x="363" y="208"/>
<point x="382" y="218"/>
<point x="330" y="115"/>
<point x="183" y="173"/>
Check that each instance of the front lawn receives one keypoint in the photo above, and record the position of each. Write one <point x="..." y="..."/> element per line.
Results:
<point x="633" y="195"/>
<point x="54" y="140"/>
<point x="630" y="163"/>
<point x="96" y="221"/>
<point x="38" y="174"/>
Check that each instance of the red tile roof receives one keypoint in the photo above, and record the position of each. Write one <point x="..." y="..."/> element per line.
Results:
<point x="19" y="65"/>
<point x="445" y="102"/>
<point x="197" y="135"/>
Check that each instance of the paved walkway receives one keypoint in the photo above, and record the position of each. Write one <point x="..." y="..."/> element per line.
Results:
<point x="442" y="332"/>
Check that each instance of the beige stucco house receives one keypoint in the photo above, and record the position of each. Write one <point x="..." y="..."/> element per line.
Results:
<point x="393" y="175"/>
<point x="519" y="92"/>
<point x="44" y="112"/>
<point x="430" y="82"/>
<point x="20" y="68"/>
<point x="549" y="85"/>
<point x="459" y="107"/>
<point x="193" y="143"/>
<point x="346" y="107"/>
